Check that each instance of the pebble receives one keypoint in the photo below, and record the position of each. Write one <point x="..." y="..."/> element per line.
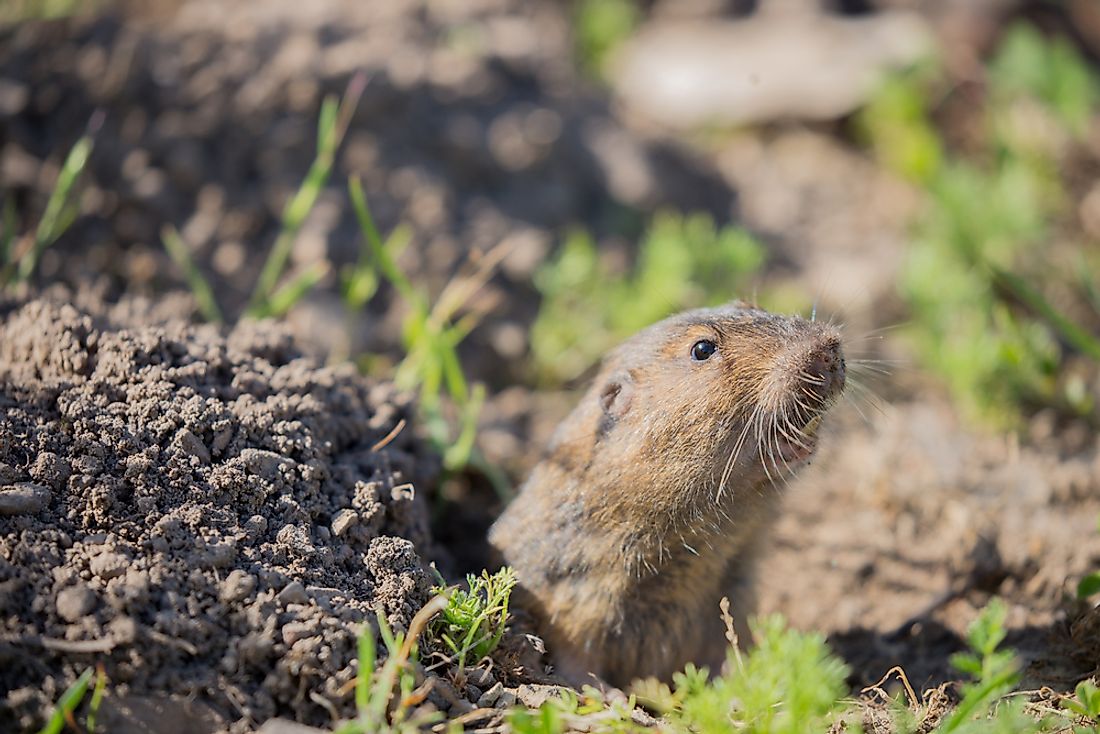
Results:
<point x="237" y="585"/>
<point x="284" y="726"/>
<point x="108" y="565"/>
<point x="24" y="498"/>
<point x="344" y="520"/>
<point x="490" y="696"/>
<point x="74" y="602"/>
<point x="9" y="474"/>
<point x="294" y="631"/>
<point x="481" y="677"/>
<point x="293" y="593"/>
<point x="506" y="700"/>
<point x="534" y="695"/>
<point x="187" y="442"/>
<point x="264" y="463"/>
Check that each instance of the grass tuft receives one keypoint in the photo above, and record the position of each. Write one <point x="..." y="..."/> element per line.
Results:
<point x="335" y="116"/>
<point x="19" y="256"/>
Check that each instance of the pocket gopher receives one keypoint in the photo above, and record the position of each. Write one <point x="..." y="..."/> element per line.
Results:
<point x="652" y="498"/>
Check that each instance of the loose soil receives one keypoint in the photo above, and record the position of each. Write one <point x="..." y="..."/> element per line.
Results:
<point x="207" y="514"/>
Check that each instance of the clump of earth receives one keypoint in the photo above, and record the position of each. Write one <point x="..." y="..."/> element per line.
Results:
<point x="213" y="516"/>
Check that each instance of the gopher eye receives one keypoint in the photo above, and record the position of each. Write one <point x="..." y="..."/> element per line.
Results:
<point x="703" y="349"/>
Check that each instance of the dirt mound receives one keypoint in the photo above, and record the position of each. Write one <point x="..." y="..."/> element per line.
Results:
<point x="211" y="516"/>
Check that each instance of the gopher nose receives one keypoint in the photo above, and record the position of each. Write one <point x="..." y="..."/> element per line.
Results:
<point x="825" y="368"/>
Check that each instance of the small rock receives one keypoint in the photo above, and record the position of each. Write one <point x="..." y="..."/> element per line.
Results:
<point x="108" y="565"/>
<point x="473" y="693"/>
<point x="481" y="677"/>
<point x="490" y="696"/>
<point x="293" y="593"/>
<point x="237" y="586"/>
<point x="74" y="602"/>
<point x="263" y="463"/>
<point x="534" y="695"/>
<point x="461" y="706"/>
<point x="192" y="445"/>
<point x="283" y="726"/>
<point x="506" y="700"/>
<point x="24" y="498"/>
<point x="9" y="474"/>
<point x="294" y="631"/>
<point x="344" y="520"/>
<point x="123" y="630"/>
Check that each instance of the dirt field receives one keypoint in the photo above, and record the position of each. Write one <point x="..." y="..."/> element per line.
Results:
<point x="207" y="512"/>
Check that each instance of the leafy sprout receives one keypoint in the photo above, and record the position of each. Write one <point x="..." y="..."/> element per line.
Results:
<point x="473" y="621"/>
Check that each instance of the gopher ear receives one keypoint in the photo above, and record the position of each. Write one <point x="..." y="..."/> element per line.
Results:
<point x="617" y="395"/>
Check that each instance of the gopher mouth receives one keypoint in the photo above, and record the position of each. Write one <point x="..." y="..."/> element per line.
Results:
<point x="797" y="447"/>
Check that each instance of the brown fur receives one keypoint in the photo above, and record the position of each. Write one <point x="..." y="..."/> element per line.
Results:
<point x="625" y="537"/>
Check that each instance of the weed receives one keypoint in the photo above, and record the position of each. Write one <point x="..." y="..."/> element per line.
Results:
<point x="978" y="279"/>
<point x="333" y="123"/>
<point x="431" y="334"/>
<point x="587" y="711"/>
<point x="682" y="262"/>
<point x="1050" y="71"/>
<point x="18" y="260"/>
<point x="789" y="682"/>
<point x="269" y="298"/>
<point x="68" y="703"/>
<point x="473" y="621"/>
<point x="377" y="712"/>
<point x="1085" y="703"/>
<point x="995" y="671"/>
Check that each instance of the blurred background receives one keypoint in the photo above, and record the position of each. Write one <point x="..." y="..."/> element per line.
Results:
<point x="478" y="198"/>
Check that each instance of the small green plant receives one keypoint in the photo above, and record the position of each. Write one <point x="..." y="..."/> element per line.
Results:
<point x="270" y="295"/>
<point x="19" y="257"/>
<point x="980" y="277"/>
<point x="587" y="711"/>
<point x="376" y="710"/>
<point x="1051" y="71"/>
<point x="682" y="262"/>
<point x="1085" y="703"/>
<point x="600" y="26"/>
<point x="473" y="621"/>
<point x="431" y="334"/>
<point x="790" y="682"/>
<point x="995" y="671"/>
<point x="68" y="703"/>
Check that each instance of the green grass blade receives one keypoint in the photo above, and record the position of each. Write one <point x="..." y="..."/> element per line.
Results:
<point x="59" y="213"/>
<point x="384" y="260"/>
<point x="283" y="299"/>
<point x="68" y="702"/>
<point x="332" y="125"/>
<point x="293" y="216"/>
<point x="366" y="669"/>
<point x="458" y="453"/>
<point x="200" y="287"/>
<point x="1080" y="339"/>
<point x="97" y="698"/>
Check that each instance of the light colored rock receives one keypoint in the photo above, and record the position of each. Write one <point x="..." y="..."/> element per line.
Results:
<point x="773" y="65"/>
<point x="24" y="498"/>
